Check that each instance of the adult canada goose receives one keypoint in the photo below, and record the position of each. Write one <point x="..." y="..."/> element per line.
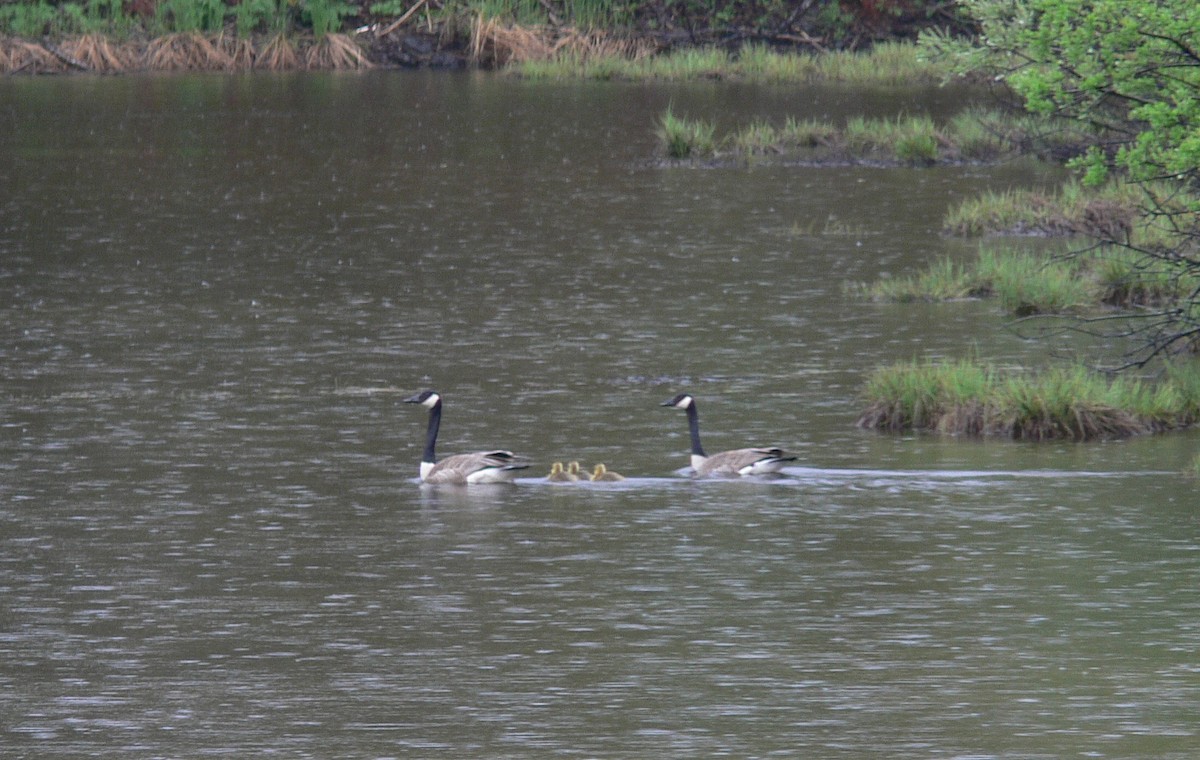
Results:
<point x="602" y="473"/>
<point x="574" y="470"/>
<point x="477" y="467"/>
<point x="757" y="461"/>
<point x="559" y="475"/>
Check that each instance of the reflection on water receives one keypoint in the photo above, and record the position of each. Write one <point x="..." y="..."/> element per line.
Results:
<point x="218" y="290"/>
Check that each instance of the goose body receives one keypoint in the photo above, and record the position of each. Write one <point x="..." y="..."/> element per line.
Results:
<point x="732" y="463"/>
<point x="559" y="475"/>
<point x="574" y="471"/>
<point x="602" y="473"/>
<point x="497" y="466"/>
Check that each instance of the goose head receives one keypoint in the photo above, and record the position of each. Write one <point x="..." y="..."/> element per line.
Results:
<point x="682" y="401"/>
<point x="427" y="399"/>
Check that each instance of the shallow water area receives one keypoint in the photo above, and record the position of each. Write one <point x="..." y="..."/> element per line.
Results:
<point x="219" y="290"/>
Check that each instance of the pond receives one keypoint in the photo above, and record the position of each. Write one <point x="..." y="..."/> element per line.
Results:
<point x="219" y="289"/>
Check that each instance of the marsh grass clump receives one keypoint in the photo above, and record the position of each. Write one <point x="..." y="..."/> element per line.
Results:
<point x="758" y="137"/>
<point x="944" y="280"/>
<point x="1072" y="209"/>
<point x="969" y="398"/>
<point x="1047" y="281"/>
<point x="1025" y="282"/>
<point x="684" y="138"/>
<point x="807" y="133"/>
<point x="905" y="140"/>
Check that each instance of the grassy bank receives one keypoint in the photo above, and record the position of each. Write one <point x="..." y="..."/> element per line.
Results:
<point x="974" y="399"/>
<point x="608" y="58"/>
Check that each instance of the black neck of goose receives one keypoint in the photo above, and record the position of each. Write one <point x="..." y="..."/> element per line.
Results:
<point x="694" y="429"/>
<point x="435" y="422"/>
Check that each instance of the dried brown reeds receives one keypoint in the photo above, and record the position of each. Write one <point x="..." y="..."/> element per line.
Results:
<point x="335" y="51"/>
<point x="497" y="44"/>
<point x="599" y="44"/>
<point x="240" y="50"/>
<point x="186" y="51"/>
<point x="97" y="53"/>
<point x="21" y="57"/>
<point x="278" y="54"/>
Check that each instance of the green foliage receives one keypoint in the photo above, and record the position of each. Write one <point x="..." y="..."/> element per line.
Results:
<point x="191" y="15"/>
<point x="325" y="16"/>
<point x="28" y="19"/>
<point x="252" y="16"/>
<point x="1129" y="70"/>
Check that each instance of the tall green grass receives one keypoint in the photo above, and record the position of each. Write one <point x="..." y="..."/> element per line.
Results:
<point x="685" y="138"/>
<point x="907" y="140"/>
<point x="1072" y="208"/>
<point x="110" y="17"/>
<point x="886" y="64"/>
<point x="912" y="141"/>
<point x="971" y="398"/>
<point x="1055" y="281"/>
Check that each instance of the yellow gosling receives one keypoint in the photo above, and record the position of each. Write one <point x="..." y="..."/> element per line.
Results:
<point x="602" y="473"/>
<point x="574" y="470"/>
<point x="559" y="475"/>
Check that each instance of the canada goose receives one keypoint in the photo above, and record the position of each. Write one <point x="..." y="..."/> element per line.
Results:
<point x="477" y="467"/>
<point x="559" y="475"/>
<point x="734" y="462"/>
<point x="602" y="473"/>
<point x="574" y="470"/>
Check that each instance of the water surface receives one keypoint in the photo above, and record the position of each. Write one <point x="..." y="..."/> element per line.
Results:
<point x="219" y="289"/>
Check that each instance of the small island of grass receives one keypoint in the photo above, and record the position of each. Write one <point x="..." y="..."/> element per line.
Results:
<point x="978" y="399"/>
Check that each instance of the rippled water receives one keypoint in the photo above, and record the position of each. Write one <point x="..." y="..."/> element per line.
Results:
<point x="218" y="290"/>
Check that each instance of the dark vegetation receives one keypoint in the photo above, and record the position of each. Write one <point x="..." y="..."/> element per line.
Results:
<point x="43" y="36"/>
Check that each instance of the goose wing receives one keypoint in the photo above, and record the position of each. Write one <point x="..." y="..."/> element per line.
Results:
<point x="477" y="467"/>
<point x="754" y="461"/>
